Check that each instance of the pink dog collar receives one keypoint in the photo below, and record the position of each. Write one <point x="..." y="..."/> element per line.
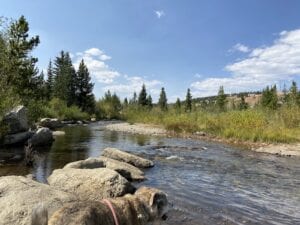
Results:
<point x="110" y="206"/>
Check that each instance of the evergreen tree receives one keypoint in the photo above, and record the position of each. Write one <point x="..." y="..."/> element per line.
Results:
<point x="65" y="81"/>
<point x="125" y="103"/>
<point x="221" y="99"/>
<point x="142" y="101"/>
<point x="50" y="80"/>
<point x="21" y="71"/>
<point x="243" y="104"/>
<point x="188" y="101"/>
<point x="293" y="97"/>
<point x="178" y="105"/>
<point x="133" y="101"/>
<point x="149" y="102"/>
<point x="269" y="97"/>
<point x="163" y="101"/>
<point x="84" y="89"/>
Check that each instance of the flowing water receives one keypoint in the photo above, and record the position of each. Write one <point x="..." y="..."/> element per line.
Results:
<point x="206" y="183"/>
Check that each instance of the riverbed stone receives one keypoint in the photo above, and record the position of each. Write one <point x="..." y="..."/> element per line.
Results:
<point x="42" y="137"/>
<point x="16" y="120"/>
<point x="128" y="171"/>
<point x="16" y="139"/>
<point x="122" y="156"/>
<point x="91" y="184"/>
<point x="51" y="123"/>
<point x="19" y="195"/>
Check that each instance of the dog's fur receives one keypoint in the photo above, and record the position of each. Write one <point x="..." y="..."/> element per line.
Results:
<point x="145" y="206"/>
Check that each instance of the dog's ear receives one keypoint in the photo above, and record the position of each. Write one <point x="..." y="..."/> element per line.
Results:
<point x="154" y="198"/>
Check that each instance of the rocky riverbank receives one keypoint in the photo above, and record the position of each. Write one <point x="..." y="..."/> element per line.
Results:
<point x="147" y="129"/>
<point x="91" y="179"/>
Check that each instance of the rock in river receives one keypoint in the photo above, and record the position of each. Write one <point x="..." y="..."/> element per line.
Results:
<point x="122" y="156"/>
<point x="19" y="195"/>
<point x="19" y="138"/>
<point x="90" y="184"/>
<point x="16" y="120"/>
<point x="51" y="123"/>
<point x="126" y="170"/>
<point x="42" y="137"/>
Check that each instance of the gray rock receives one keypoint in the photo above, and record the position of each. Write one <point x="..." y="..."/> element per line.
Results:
<point x="16" y="120"/>
<point x="122" y="156"/>
<point x="51" y="123"/>
<point x="90" y="184"/>
<point x="126" y="170"/>
<point x="19" y="195"/>
<point x="42" y="137"/>
<point x="19" y="138"/>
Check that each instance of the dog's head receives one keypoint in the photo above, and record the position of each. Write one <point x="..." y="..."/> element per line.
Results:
<point x="156" y="200"/>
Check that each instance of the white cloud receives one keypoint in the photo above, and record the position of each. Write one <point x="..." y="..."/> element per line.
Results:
<point x="134" y="84"/>
<point x="159" y="13"/>
<point x="263" y="66"/>
<point x="240" y="47"/>
<point x="94" y="59"/>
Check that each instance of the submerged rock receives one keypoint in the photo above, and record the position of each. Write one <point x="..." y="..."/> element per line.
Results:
<point x="51" y="123"/>
<point x="90" y="184"/>
<point x="122" y="156"/>
<point x="16" y="120"/>
<point x="19" y="195"/>
<point x="42" y="137"/>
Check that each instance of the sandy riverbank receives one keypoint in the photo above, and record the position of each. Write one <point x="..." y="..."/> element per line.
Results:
<point x="147" y="129"/>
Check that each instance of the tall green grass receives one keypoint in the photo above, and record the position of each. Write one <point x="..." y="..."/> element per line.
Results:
<point x="256" y="125"/>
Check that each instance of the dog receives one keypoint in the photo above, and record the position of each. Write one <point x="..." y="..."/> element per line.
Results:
<point x="147" y="205"/>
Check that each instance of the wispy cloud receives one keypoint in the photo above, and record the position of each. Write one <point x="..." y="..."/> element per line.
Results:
<point x="263" y="66"/>
<point x="95" y="59"/>
<point x="159" y="13"/>
<point x="240" y="48"/>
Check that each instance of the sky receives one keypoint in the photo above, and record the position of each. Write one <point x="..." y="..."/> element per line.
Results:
<point x="240" y="44"/>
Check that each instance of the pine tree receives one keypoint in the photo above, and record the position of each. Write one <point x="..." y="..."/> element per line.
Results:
<point x="178" y="105"/>
<point x="142" y="101"/>
<point x="125" y="103"/>
<point x="65" y="80"/>
<point x="188" y="101"/>
<point x="149" y="102"/>
<point x="221" y="99"/>
<point x="293" y="97"/>
<point x="269" y="97"/>
<point x="50" y="80"/>
<point x="21" y="70"/>
<point x="163" y="101"/>
<point x="243" y="104"/>
<point x="84" y="89"/>
<point x="133" y="101"/>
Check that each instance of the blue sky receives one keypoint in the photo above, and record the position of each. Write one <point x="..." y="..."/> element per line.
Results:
<point x="243" y="45"/>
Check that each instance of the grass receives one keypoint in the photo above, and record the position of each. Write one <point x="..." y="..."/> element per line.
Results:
<point x="256" y="125"/>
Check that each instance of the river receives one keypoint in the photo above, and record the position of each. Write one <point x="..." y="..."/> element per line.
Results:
<point x="207" y="183"/>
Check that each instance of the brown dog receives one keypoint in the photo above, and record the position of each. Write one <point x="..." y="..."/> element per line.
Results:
<point x="145" y="206"/>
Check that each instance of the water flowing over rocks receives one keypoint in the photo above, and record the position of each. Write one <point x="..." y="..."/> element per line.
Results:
<point x="122" y="156"/>
<point x="19" y="195"/>
<point x="90" y="184"/>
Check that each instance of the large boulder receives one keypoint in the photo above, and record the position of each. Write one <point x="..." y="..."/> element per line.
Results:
<point x="16" y="120"/>
<point x="19" y="195"/>
<point x="43" y="136"/>
<point x="122" y="156"/>
<point x="90" y="184"/>
<point x="126" y="170"/>
<point x="51" y="123"/>
<point x="19" y="138"/>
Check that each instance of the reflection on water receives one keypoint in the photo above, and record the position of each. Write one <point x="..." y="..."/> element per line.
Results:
<point x="219" y="185"/>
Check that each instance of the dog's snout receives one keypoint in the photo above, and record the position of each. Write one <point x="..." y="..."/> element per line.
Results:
<point x="164" y="217"/>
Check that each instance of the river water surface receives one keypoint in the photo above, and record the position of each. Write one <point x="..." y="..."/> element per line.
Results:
<point x="206" y="183"/>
